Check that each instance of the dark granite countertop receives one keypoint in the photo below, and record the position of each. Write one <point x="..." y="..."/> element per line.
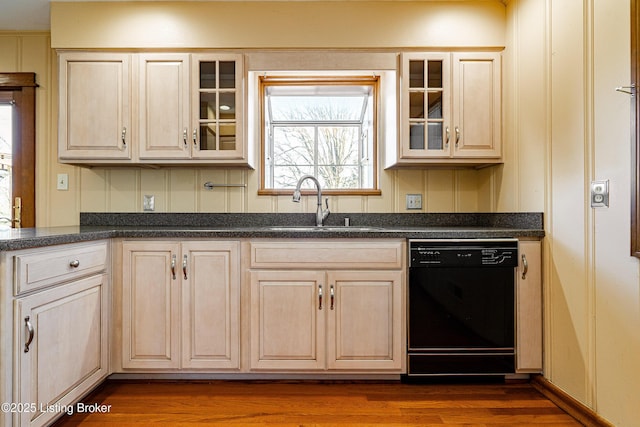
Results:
<point x="96" y="226"/>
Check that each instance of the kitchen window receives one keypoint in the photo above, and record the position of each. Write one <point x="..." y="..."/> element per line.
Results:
<point x="320" y="126"/>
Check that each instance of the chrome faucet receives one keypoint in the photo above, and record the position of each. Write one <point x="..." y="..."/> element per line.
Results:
<point x="321" y="214"/>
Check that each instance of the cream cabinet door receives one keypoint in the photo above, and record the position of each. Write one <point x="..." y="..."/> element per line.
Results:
<point x="365" y="321"/>
<point x="425" y="108"/>
<point x="94" y="106"/>
<point x="477" y="123"/>
<point x="287" y="320"/>
<point x="529" y="307"/>
<point x="62" y="347"/>
<point x="164" y="106"/>
<point x="151" y="282"/>
<point x="211" y="305"/>
<point x="218" y="109"/>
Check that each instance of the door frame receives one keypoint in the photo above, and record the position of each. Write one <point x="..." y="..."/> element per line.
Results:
<point x="23" y="88"/>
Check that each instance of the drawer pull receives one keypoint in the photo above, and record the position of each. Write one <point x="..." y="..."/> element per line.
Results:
<point x="29" y="327"/>
<point x="75" y="263"/>
<point x="319" y="297"/>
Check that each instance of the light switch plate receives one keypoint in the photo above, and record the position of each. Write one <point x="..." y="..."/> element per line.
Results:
<point x="600" y="194"/>
<point x="414" y="201"/>
<point x="62" y="182"/>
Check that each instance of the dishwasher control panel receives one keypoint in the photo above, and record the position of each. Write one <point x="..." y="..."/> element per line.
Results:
<point x="464" y="253"/>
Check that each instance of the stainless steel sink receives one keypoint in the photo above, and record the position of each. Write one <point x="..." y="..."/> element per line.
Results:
<point x="322" y="228"/>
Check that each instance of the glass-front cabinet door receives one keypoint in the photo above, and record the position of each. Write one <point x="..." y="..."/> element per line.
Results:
<point x="217" y="107"/>
<point x="425" y="106"/>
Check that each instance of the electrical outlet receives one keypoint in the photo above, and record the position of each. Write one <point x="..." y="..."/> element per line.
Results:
<point x="414" y="201"/>
<point x="62" y="182"/>
<point x="600" y="194"/>
<point x="149" y="203"/>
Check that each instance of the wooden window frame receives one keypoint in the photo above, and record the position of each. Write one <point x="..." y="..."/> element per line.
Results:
<point x="319" y="80"/>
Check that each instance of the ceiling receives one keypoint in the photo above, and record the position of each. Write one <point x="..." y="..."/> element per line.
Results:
<point x="33" y="15"/>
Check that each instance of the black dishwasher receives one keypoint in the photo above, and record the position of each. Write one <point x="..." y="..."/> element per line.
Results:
<point x="461" y="301"/>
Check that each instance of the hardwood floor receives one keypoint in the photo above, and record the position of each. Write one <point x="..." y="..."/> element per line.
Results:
<point x="236" y="403"/>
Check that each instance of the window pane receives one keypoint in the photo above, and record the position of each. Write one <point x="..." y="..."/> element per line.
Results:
<point x="293" y="146"/>
<point x="314" y="108"/>
<point x="338" y="146"/>
<point x="6" y="137"/>
<point x="287" y="176"/>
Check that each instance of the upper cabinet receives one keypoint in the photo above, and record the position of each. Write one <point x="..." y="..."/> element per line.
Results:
<point x="95" y="107"/>
<point x="450" y="110"/>
<point x="167" y="108"/>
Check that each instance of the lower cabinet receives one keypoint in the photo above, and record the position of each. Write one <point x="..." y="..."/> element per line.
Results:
<point x="61" y="351"/>
<point x="325" y="319"/>
<point x="180" y="305"/>
<point x="529" y="308"/>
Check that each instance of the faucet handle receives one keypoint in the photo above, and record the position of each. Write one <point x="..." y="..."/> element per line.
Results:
<point x="325" y="212"/>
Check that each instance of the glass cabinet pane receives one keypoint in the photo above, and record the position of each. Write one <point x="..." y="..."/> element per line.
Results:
<point x="228" y="137"/>
<point x="208" y="106"/>
<point x="416" y="74"/>
<point x="227" y="106"/>
<point x="207" y="75"/>
<point x="227" y="74"/>
<point x="416" y="136"/>
<point x="435" y="74"/>
<point x="416" y="105"/>
<point x="435" y="105"/>
<point x="208" y="136"/>
<point x="434" y="136"/>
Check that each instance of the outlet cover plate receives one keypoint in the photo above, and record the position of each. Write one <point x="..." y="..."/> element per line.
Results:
<point x="149" y="203"/>
<point x="600" y="194"/>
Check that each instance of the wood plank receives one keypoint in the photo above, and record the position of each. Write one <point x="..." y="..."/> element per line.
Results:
<point x="310" y="403"/>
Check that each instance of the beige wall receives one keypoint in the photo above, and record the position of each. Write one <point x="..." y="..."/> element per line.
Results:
<point x="564" y="125"/>
<point x="565" y="59"/>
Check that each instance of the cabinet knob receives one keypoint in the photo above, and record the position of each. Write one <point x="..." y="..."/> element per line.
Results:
<point x="75" y="263"/>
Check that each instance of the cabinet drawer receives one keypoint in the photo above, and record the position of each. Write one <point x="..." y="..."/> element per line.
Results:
<point x="45" y="267"/>
<point x="327" y="254"/>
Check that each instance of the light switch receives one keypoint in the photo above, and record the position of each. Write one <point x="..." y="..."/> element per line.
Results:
<point x="414" y="201"/>
<point x="63" y="181"/>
